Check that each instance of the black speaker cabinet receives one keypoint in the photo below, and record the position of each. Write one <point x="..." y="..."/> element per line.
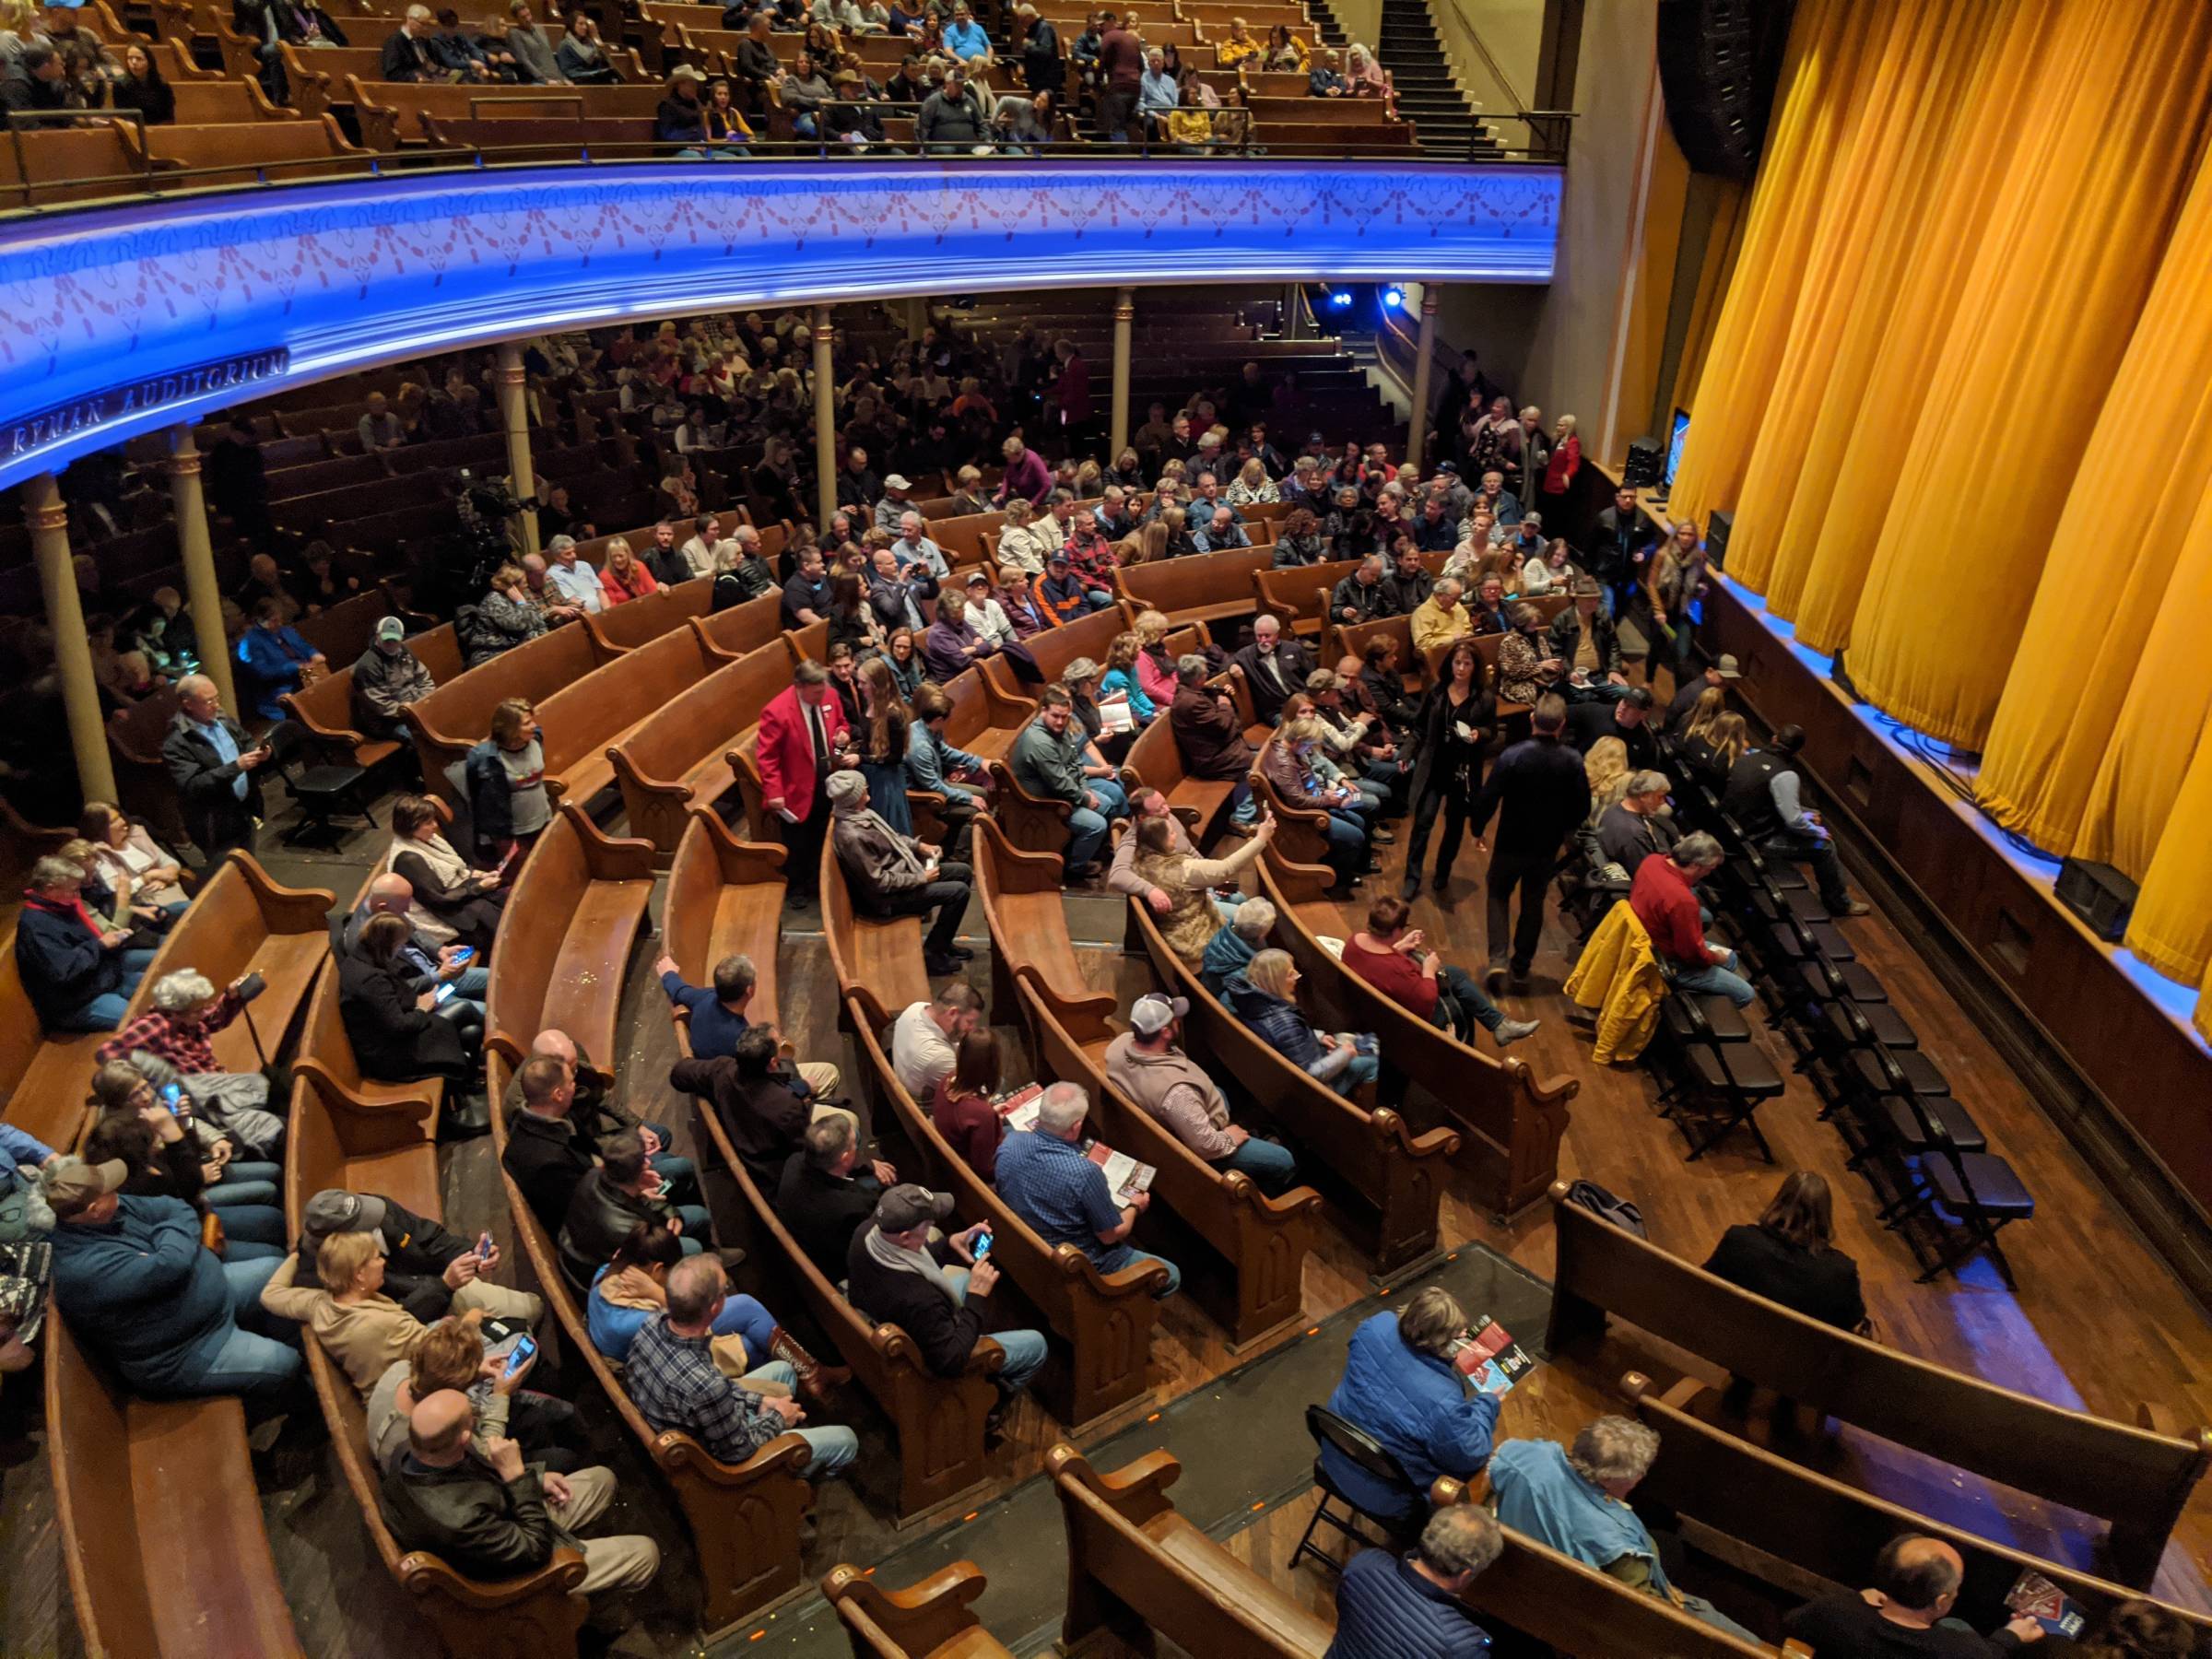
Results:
<point x="1718" y="61"/>
<point x="1716" y="539"/>
<point x="2098" y="894"/>
<point x="1646" y="456"/>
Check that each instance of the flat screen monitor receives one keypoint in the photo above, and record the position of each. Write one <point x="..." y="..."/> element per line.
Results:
<point x="1674" y="446"/>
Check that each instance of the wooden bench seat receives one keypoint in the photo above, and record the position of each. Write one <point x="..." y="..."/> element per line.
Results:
<point x="392" y="115"/>
<point x="566" y="935"/>
<point x="1396" y="1173"/>
<point x="139" y="1481"/>
<point x="458" y="716"/>
<point x="931" y="1619"/>
<point x="681" y="754"/>
<point x="1739" y="1491"/>
<point x="726" y="898"/>
<point x="246" y="152"/>
<point x="379" y="1124"/>
<point x="325" y="708"/>
<point x="877" y="959"/>
<point x="2139" y="1479"/>
<point x="1154" y="761"/>
<point x="985" y="717"/>
<point x="637" y="622"/>
<point x="1204" y="588"/>
<point x="1136" y="1566"/>
<point x="579" y="723"/>
<point x="47" y="167"/>
<point x="1513" y="1124"/>
<point x="729" y="634"/>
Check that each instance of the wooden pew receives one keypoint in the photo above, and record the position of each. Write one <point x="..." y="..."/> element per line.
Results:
<point x="1136" y="1566"/>
<point x="985" y="718"/>
<point x="392" y="115"/>
<point x="47" y="169"/>
<point x="1579" y="1610"/>
<point x="931" y="1619"/>
<point x="570" y="923"/>
<point x="1155" y="762"/>
<point x="248" y="152"/>
<point x="726" y="896"/>
<point x="1298" y="598"/>
<point x="727" y="635"/>
<point x="637" y="622"/>
<point x="1056" y="648"/>
<point x="453" y="719"/>
<point x="325" y="708"/>
<point x="362" y="1109"/>
<point x="1205" y="587"/>
<point x="2139" y="1479"/>
<point x="1513" y="1124"/>
<point x="1376" y="1154"/>
<point x="139" y="1481"/>
<point x="681" y="753"/>
<point x="1778" y="1509"/>
<point x="744" y="1517"/>
<point x="579" y="723"/>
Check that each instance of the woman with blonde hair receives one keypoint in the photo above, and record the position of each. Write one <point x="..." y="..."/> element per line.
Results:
<point x="624" y="576"/>
<point x="1148" y="543"/>
<point x="1252" y="485"/>
<point x="362" y="1329"/>
<point x="124" y="853"/>
<point x="1265" y="997"/>
<point x="1607" y="769"/>
<point x="1025" y="541"/>
<point x="968" y="497"/>
<point x="1712" y="750"/>
<point x="1123" y="679"/>
<point x="1363" y="76"/>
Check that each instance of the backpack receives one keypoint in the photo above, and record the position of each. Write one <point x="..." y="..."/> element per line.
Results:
<point x="1606" y="1207"/>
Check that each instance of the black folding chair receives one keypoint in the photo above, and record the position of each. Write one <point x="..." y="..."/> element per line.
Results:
<point x="1371" y="1455"/>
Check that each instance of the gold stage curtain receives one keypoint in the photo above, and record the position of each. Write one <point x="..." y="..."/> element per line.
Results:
<point x="1723" y="243"/>
<point x="2052" y="293"/>
<point x="1823" y="83"/>
<point x="2171" y="929"/>
<point x="1923" y="73"/>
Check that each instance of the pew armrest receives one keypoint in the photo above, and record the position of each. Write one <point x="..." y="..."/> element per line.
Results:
<point x="424" y="1575"/>
<point x="786" y="1455"/>
<point x="609" y="858"/>
<point x="288" y="909"/>
<point x="1389" y="1127"/>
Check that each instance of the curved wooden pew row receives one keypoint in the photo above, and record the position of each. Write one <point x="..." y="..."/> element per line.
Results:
<point x="930" y="1619"/>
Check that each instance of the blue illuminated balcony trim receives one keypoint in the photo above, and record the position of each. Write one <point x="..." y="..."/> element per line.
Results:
<point x="118" y="314"/>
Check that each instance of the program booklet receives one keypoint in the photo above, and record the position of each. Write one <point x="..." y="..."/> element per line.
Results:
<point x="1491" y="1359"/>
<point x="1019" y="1109"/>
<point x="2040" y="1599"/>
<point x="1126" y="1176"/>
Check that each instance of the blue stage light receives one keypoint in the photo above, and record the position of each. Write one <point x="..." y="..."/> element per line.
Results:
<point x="1394" y="298"/>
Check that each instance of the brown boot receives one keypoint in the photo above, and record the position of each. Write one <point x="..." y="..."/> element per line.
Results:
<point x="816" y="1379"/>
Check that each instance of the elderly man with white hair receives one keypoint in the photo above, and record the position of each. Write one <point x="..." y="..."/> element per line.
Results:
<point x="574" y="580"/>
<point x="914" y="546"/>
<point x="1047" y="1179"/>
<point x="213" y="768"/>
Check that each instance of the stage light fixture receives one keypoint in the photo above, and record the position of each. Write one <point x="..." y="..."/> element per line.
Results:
<point x="1393" y="298"/>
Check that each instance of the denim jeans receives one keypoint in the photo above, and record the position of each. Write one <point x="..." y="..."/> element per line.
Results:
<point x="467" y="1003"/>
<point x="1817" y="854"/>
<point x="834" y="1448"/>
<point x="1271" y="1166"/>
<point x="1087" y="827"/>
<point x="105" y="1012"/>
<point x="1474" y="1008"/>
<point x="242" y="1362"/>
<point x="1025" y="1358"/>
<point x="252" y="1224"/>
<point x="1717" y="978"/>
<point x="679" y="1176"/>
<point x="1362" y="1069"/>
<point x="245" y="1182"/>
<point x="698" y="1228"/>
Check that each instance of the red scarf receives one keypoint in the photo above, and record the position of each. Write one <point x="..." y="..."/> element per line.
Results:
<point x="75" y="907"/>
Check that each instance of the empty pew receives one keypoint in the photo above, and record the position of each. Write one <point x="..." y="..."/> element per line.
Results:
<point x="931" y="1619"/>
<point x="745" y="1517"/>
<point x="1743" y="1491"/>
<point x="247" y="152"/>
<point x="729" y="634"/>
<point x="575" y="912"/>
<point x="139" y="1481"/>
<point x="1297" y="598"/>
<point x="1579" y="1611"/>
<point x="1396" y="1172"/>
<point x="1512" y="1123"/>
<point x="726" y="898"/>
<point x="325" y="708"/>
<point x="2138" y="1479"/>
<point x="1205" y="587"/>
<point x="454" y="718"/>
<point x="46" y="167"/>
<point x="1136" y="1566"/>
<point x="577" y="723"/>
<point x="681" y="754"/>
<point x="641" y="621"/>
<point x="985" y="717"/>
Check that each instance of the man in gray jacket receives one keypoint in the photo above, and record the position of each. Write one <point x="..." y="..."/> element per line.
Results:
<point x="952" y="118"/>
<point x="1147" y="1064"/>
<point x="894" y="875"/>
<point x="387" y="678"/>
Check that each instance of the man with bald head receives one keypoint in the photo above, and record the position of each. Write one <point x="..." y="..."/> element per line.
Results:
<point x="1907" y="1611"/>
<point x="433" y="964"/>
<point x="472" y="1501"/>
<point x="596" y="1114"/>
<point x="214" y="769"/>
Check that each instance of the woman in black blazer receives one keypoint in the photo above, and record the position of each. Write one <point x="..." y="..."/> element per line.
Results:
<point x="1787" y="1257"/>
<point x="396" y="1036"/>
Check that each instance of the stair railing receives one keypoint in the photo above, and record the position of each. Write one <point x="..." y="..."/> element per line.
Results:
<point x="1542" y="134"/>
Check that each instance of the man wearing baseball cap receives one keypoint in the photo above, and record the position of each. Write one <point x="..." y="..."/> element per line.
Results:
<point x="928" y="1288"/>
<point x="428" y="1271"/>
<point x="1722" y="672"/>
<point x="1147" y="1064"/>
<point x="386" y="678"/>
<point x="140" y="1288"/>
<point x="897" y="491"/>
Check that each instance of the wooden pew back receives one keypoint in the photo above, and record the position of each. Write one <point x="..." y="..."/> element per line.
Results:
<point x="679" y="753"/>
<point x="731" y="633"/>
<point x="932" y="1619"/>
<point x="456" y="717"/>
<point x="637" y="622"/>
<point x="1205" y="587"/>
<point x="580" y="720"/>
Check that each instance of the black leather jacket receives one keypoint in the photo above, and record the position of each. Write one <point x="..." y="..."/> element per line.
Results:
<point x="600" y="1216"/>
<point x="478" y="1525"/>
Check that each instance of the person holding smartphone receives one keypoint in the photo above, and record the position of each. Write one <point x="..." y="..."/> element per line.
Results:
<point x="397" y="1035"/>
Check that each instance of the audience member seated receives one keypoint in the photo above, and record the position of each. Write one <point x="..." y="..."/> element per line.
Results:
<point x="78" y="973"/>
<point x="173" y="1034"/>
<point x="934" y="764"/>
<point x="165" y="1161"/>
<point x="1192" y="915"/>
<point x="1712" y="745"/>
<point x="925" y="1035"/>
<point x="140" y="1289"/>
<point x="1790" y="1256"/>
<point x="396" y="1036"/>
<point x="1392" y="958"/>
<point x="508" y="804"/>
<point x="276" y="659"/>
<point x="1440" y="618"/>
<point x="472" y="1503"/>
<point x="673" y="1379"/>
<point x="962" y="1103"/>
<point x="1585" y="642"/>
<point x="1148" y="1063"/>
<point x="1235" y="942"/>
<point x="1403" y="1386"/>
<point x="428" y="1271"/>
<point x="114" y="900"/>
<point x="1054" y="759"/>
<point x="362" y="1329"/>
<point x="1690" y="693"/>
<point x="386" y="678"/>
<point x="826" y="1190"/>
<point x="1577" y="1502"/>
<point x="1907" y="1610"/>
<point x="1625" y="717"/>
<point x="764" y="1100"/>
<point x="1765" y="796"/>
<point x="1290" y="761"/>
<point x="624" y="1190"/>
<point x="1063" y="594"/>
<point x="1047" y="1179"/>
<point x="1274" y="667"/>
<point x="449" y="903"/>
<point x="897" y="1272"/>
<point x="128" y="854"/>
<point x="633" y="1287"/>
<point x="1634" y="827"/>
<point x="1264" y="996"/>
<point x="715" y="1018"/>
<point x="894" y="875"/>
<point x="452" y="1355"/>
<point x="507" y="615"/>
<point x="1664" y="900"/>
<point x="1390" y="1605"/>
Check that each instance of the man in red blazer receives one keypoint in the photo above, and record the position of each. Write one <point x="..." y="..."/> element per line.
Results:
<point x="802" y="740"/>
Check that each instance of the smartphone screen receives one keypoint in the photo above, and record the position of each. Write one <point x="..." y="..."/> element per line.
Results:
<point x="521" y="1355"/>
<point x="981" y="1247"/>
<point x="484" y="1246"/>
<point x="443" y="994"/>
<point x="463" y="952"/>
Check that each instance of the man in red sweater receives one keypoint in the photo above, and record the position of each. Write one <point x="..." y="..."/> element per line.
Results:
<point x="1121" y="71"/>
<point x="1389" y="956"/>
<point x="1665" y="900"/>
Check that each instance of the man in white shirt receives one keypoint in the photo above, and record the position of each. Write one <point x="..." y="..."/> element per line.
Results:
<point x="575" y="582"/>
<point x="926" y="1039"/>
<point x="913" y="546"/>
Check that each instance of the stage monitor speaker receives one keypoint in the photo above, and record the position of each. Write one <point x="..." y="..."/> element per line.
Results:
<point x="1716" y="539"/>
<point x="1646" y="456"/>
<point x="2098" y="894"/>
<point x="1719" y="62"/>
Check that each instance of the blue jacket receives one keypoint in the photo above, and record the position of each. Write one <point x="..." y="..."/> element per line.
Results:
<point x="1419" y="1407"/>
<point x="62" y="967"/>
<point x="1387" y="1610"/>
<point x="1539" y="1493"/>
<point x="1275" y="1021"/>
<point x="714" y="1029"/>
<point x="1227" y="953"/>
<point x="273" y="656"/>
<point x="141" y="1289"/>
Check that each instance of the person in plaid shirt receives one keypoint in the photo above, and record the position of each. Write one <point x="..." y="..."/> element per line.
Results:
<point x="673" y="1380"/>
<point x="187" y="1011"/>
